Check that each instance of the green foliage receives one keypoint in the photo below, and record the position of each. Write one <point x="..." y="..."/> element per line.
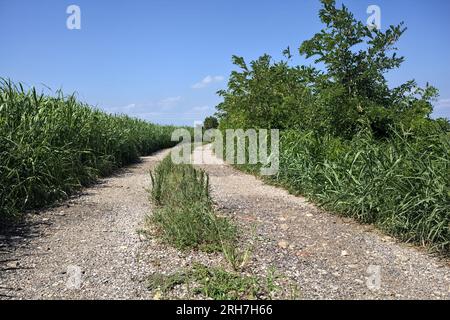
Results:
<point x="354" y="91"/>
<point x="211" y="123"/>
<point x="266" y="95"/>
<point x="219" y="284"/>
<point x="401" y="185"/>
<point x="351" y="95"/>
<point x="184" y="214"/>
<point x="52" y="146"/>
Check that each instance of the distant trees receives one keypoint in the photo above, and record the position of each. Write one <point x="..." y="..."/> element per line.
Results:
<point x="211" y="123"/>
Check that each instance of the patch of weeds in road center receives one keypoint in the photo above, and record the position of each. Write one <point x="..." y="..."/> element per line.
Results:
<point x="184" y="215"/>
<point x="217" y="283"/>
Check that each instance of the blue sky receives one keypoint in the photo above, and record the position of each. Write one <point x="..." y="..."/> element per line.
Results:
<point x="164" y="60"/>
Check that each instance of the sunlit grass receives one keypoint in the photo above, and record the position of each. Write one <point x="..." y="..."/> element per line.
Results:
<point x="51" y="146"/>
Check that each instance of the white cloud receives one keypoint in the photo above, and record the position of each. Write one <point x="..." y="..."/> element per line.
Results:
<point x="169" y="103"/>
<point x="207" y="81"/>
<point x="443" y="103"/>
<point x="130" y="106"/>
<point x="203" y="108"/>
<point x="138" y="109"/>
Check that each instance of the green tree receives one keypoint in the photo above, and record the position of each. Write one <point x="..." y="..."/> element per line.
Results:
<point x="264" y="94"/>
<point x="211" y="123"/>
<point x="353" y="90"/>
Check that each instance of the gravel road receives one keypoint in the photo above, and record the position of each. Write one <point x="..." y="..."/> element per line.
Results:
<point x="90" y="247"/>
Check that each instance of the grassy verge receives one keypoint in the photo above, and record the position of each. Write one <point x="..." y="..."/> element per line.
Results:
<point x="50" y="146"/>
<point x="184" y="214"/>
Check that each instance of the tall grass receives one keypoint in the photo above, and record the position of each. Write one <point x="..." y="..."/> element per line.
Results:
<point x="402" y="185"/>
<point x="51" y="146"/>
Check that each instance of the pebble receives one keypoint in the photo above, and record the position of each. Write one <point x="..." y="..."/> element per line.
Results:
<point x="283" y="244"/>
<point x="13" y="264"/>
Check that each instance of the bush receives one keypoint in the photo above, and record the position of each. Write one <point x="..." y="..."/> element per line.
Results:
<point x="350" y="141"/>
<point x="211" y="123"/>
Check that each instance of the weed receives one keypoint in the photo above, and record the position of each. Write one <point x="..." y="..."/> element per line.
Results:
<point x="216" y="283"/>
<point x="184" y="214"/>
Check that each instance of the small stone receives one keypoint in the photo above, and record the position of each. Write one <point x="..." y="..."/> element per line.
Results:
<point x="344" y="253"/>
<point x="142" y="237"/>
<point x="13" y="264"/>
<point x="284" y="227"/>
<point x="157" y="295"/>
<point x="309" y="215"/>
<point x="359" y="281"/>
<point x="283" y="244"/>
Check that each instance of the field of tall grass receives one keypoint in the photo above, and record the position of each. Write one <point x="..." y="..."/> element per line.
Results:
<point x="50" y="146"/>
<point x="401" y="185"/>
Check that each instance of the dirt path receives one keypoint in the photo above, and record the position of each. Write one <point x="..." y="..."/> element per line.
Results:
<point x="327" y="256"/>
<point x="96" y="233"/>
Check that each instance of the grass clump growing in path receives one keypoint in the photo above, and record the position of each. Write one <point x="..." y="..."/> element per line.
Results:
<point x="184" y="215"/>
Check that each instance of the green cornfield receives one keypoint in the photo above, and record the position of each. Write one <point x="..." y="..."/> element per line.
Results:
<point x="51" y="146"/>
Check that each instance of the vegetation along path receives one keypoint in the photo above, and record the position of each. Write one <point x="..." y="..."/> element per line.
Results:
<point x="324" y="255"/>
